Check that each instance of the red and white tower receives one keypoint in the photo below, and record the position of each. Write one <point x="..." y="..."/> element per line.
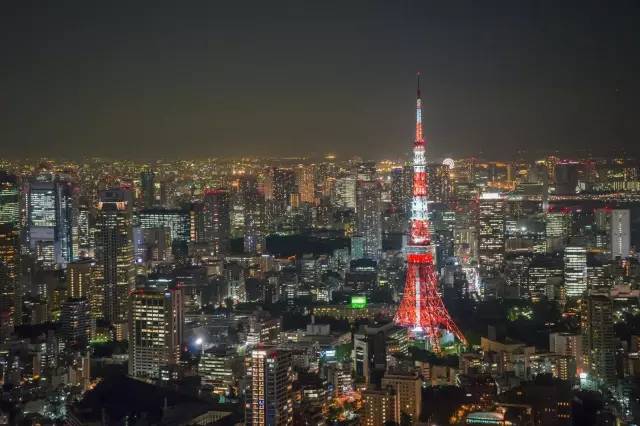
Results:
<point x="421" y="307"/>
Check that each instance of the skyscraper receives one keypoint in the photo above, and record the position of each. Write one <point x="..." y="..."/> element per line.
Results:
<point x="52" y="221"/>
<point x="305" y="183"/>
<point x="76" y="322"/>
<point x="217" y="220"/>
<point x="491" y="220"/>
<point x="80" y="279"/>
<point x="408" y="392"/>
<point x="270" y="399"/>
<point x="620" y="233"/>
<point x="283" y="184"/>
<point x="345" y="192"/>
<point x="557" y="227"/>
<point x="156" y="321"/>
<point x="10" y="291"/>
<point x="598" y="345"/>
<point x="147" y="183"/>
<point x="9" y="199"/>
<point x="369" y="217"/>
<point x="114" y="243"/>
<point x="575" y="270"/>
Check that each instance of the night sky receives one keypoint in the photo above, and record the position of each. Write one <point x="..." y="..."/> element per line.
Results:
<point x="188" y="79"/>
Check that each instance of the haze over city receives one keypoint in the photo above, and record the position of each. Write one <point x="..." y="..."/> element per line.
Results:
<point x="158" y="79"/>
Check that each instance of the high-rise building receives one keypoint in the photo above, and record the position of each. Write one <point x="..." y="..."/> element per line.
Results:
<point x="76" y="322"/>
<point x="9" y="199"/>
<point x="398" y="199"/>
<point x="52" y="221"/>
<point x="408" y="393"/>
<point x="252" y="199"/>
<point x="175" y="220"/>
<point x="598" y="339"/>
<point x="10" y="290"/>
<point x="491" y="220"/>
<point x="156" y="321"/>
<point x="305" y="183"/>
<point x="284" y="185"/>
<point x="147" y="183"/>
<point x="575" y="270"/>
<point x="216" y="370"/>
<point x="345" y="192"/>
<point x="369" y="217"/>
<point x="80" y="278"/>
<point x="217" y="220"/>
<point x="557" y="229"/>
<point x="379" y="407"/>
<point x="620" y="233"/>
<point x="270" y="396"/>
<point x="114" y="243"/>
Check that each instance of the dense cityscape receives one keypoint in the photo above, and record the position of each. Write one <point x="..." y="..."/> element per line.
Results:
<point x="302" y="213"/>
<point x="302" y="291"/>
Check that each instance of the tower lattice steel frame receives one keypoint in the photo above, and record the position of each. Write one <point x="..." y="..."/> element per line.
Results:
<point x="421" y="307"/>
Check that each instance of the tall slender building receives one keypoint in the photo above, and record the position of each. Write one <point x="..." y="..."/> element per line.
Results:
<point x="270" y="399"/>
<point x="10" y="291"/>
<point x="156" y="322"/>
<point x="369" y="217"/>
<point x="575" y="270"/>
<point x="491" y="220"/>
<point x="421" y="307"/>
<point x="9" y="199"/>
<point x="114" y="243"/>
<point x="598" y="337"/>
<point x="217" y="220"/>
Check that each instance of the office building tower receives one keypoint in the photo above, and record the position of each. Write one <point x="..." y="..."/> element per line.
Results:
<point x="52" y="221"/>
<point x="176" y="221"/>
<point x="357" y="247"/>
<point x="86" y="241"/>
<point x="76" y="322"/>
<point x="147" y="183"/>
<point x="369" y="217"/>
<point x="345" y="192"/>
<point x="598" y="339"/>
<point x="80" y="279"/>
<point x="557" y="229"/>
<point x="398" y="199"/>
<point x="439" y="182"/>
<point x="156" y="321"/>
<point x="216" y="371"/>
<point x="575" y="271"/>
<point x="284" y="185"/>
<point x="217" y="220"/>
<point x="10" y="289"/>
<point x="114" y="247"/>
<point x="270" y="398"/>
<point x="379" y="407"/>
<point x="254" y="234"/>
<point x="620" y="232"/>
<point x="41" y="222"/>
<point x="491" y="218"/>
<point x="305" y="183"/>
<point x="566" y="177"/>
<point x="9" y="199"/>
<point x="408" y="394"/>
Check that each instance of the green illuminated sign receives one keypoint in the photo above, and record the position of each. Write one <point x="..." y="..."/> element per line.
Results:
<point x="358" y="302"/>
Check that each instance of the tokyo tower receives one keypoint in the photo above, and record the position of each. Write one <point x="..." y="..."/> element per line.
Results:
<point x="421" y="308"/>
